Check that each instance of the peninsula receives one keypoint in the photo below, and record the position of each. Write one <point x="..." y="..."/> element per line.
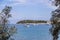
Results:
<point x="31" y="21"/>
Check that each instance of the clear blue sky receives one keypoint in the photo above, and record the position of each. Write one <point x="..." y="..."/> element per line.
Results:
<point x="28" y="9"/>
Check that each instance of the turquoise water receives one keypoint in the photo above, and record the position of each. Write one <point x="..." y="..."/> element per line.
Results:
<point x="33" y="32"/>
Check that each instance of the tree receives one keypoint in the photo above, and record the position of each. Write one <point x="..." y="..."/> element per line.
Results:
<point x="55" y="21"/>
<point x="57" y="2"/>
<point x="5" y="31"/>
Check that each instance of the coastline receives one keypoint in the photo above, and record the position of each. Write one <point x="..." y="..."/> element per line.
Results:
<point x="34" y="23"/>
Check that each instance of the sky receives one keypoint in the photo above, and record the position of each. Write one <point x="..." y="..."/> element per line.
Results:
<point x="28" y="9"/>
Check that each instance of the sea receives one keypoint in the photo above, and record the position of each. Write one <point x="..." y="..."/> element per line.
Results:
<point x="33" y="32"/>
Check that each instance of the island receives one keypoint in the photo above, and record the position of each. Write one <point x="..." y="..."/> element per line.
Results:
<point x="31" y="21"/>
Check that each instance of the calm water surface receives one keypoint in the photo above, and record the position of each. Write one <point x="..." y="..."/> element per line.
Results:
<point x="33" y="32"/>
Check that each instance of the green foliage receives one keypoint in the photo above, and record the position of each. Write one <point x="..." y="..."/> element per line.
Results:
<point x="32" y="21"/>
<point x="5" y="31"/>
<point x="55" y="21"/>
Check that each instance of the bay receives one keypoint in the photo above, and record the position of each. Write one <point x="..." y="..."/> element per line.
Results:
<point x="33" y="32"/>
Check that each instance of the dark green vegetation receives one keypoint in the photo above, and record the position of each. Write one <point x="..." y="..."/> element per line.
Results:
<point x="5" y="31"/>
<point x="32" y="21"/>
<point x="55" y="21"/>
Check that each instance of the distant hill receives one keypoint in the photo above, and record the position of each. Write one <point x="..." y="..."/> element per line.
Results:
<point x="31" y="21"/>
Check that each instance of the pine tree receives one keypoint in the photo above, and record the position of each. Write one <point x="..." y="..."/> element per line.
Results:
<point x="55" y="21"/>
<point x="5" y="31"/>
